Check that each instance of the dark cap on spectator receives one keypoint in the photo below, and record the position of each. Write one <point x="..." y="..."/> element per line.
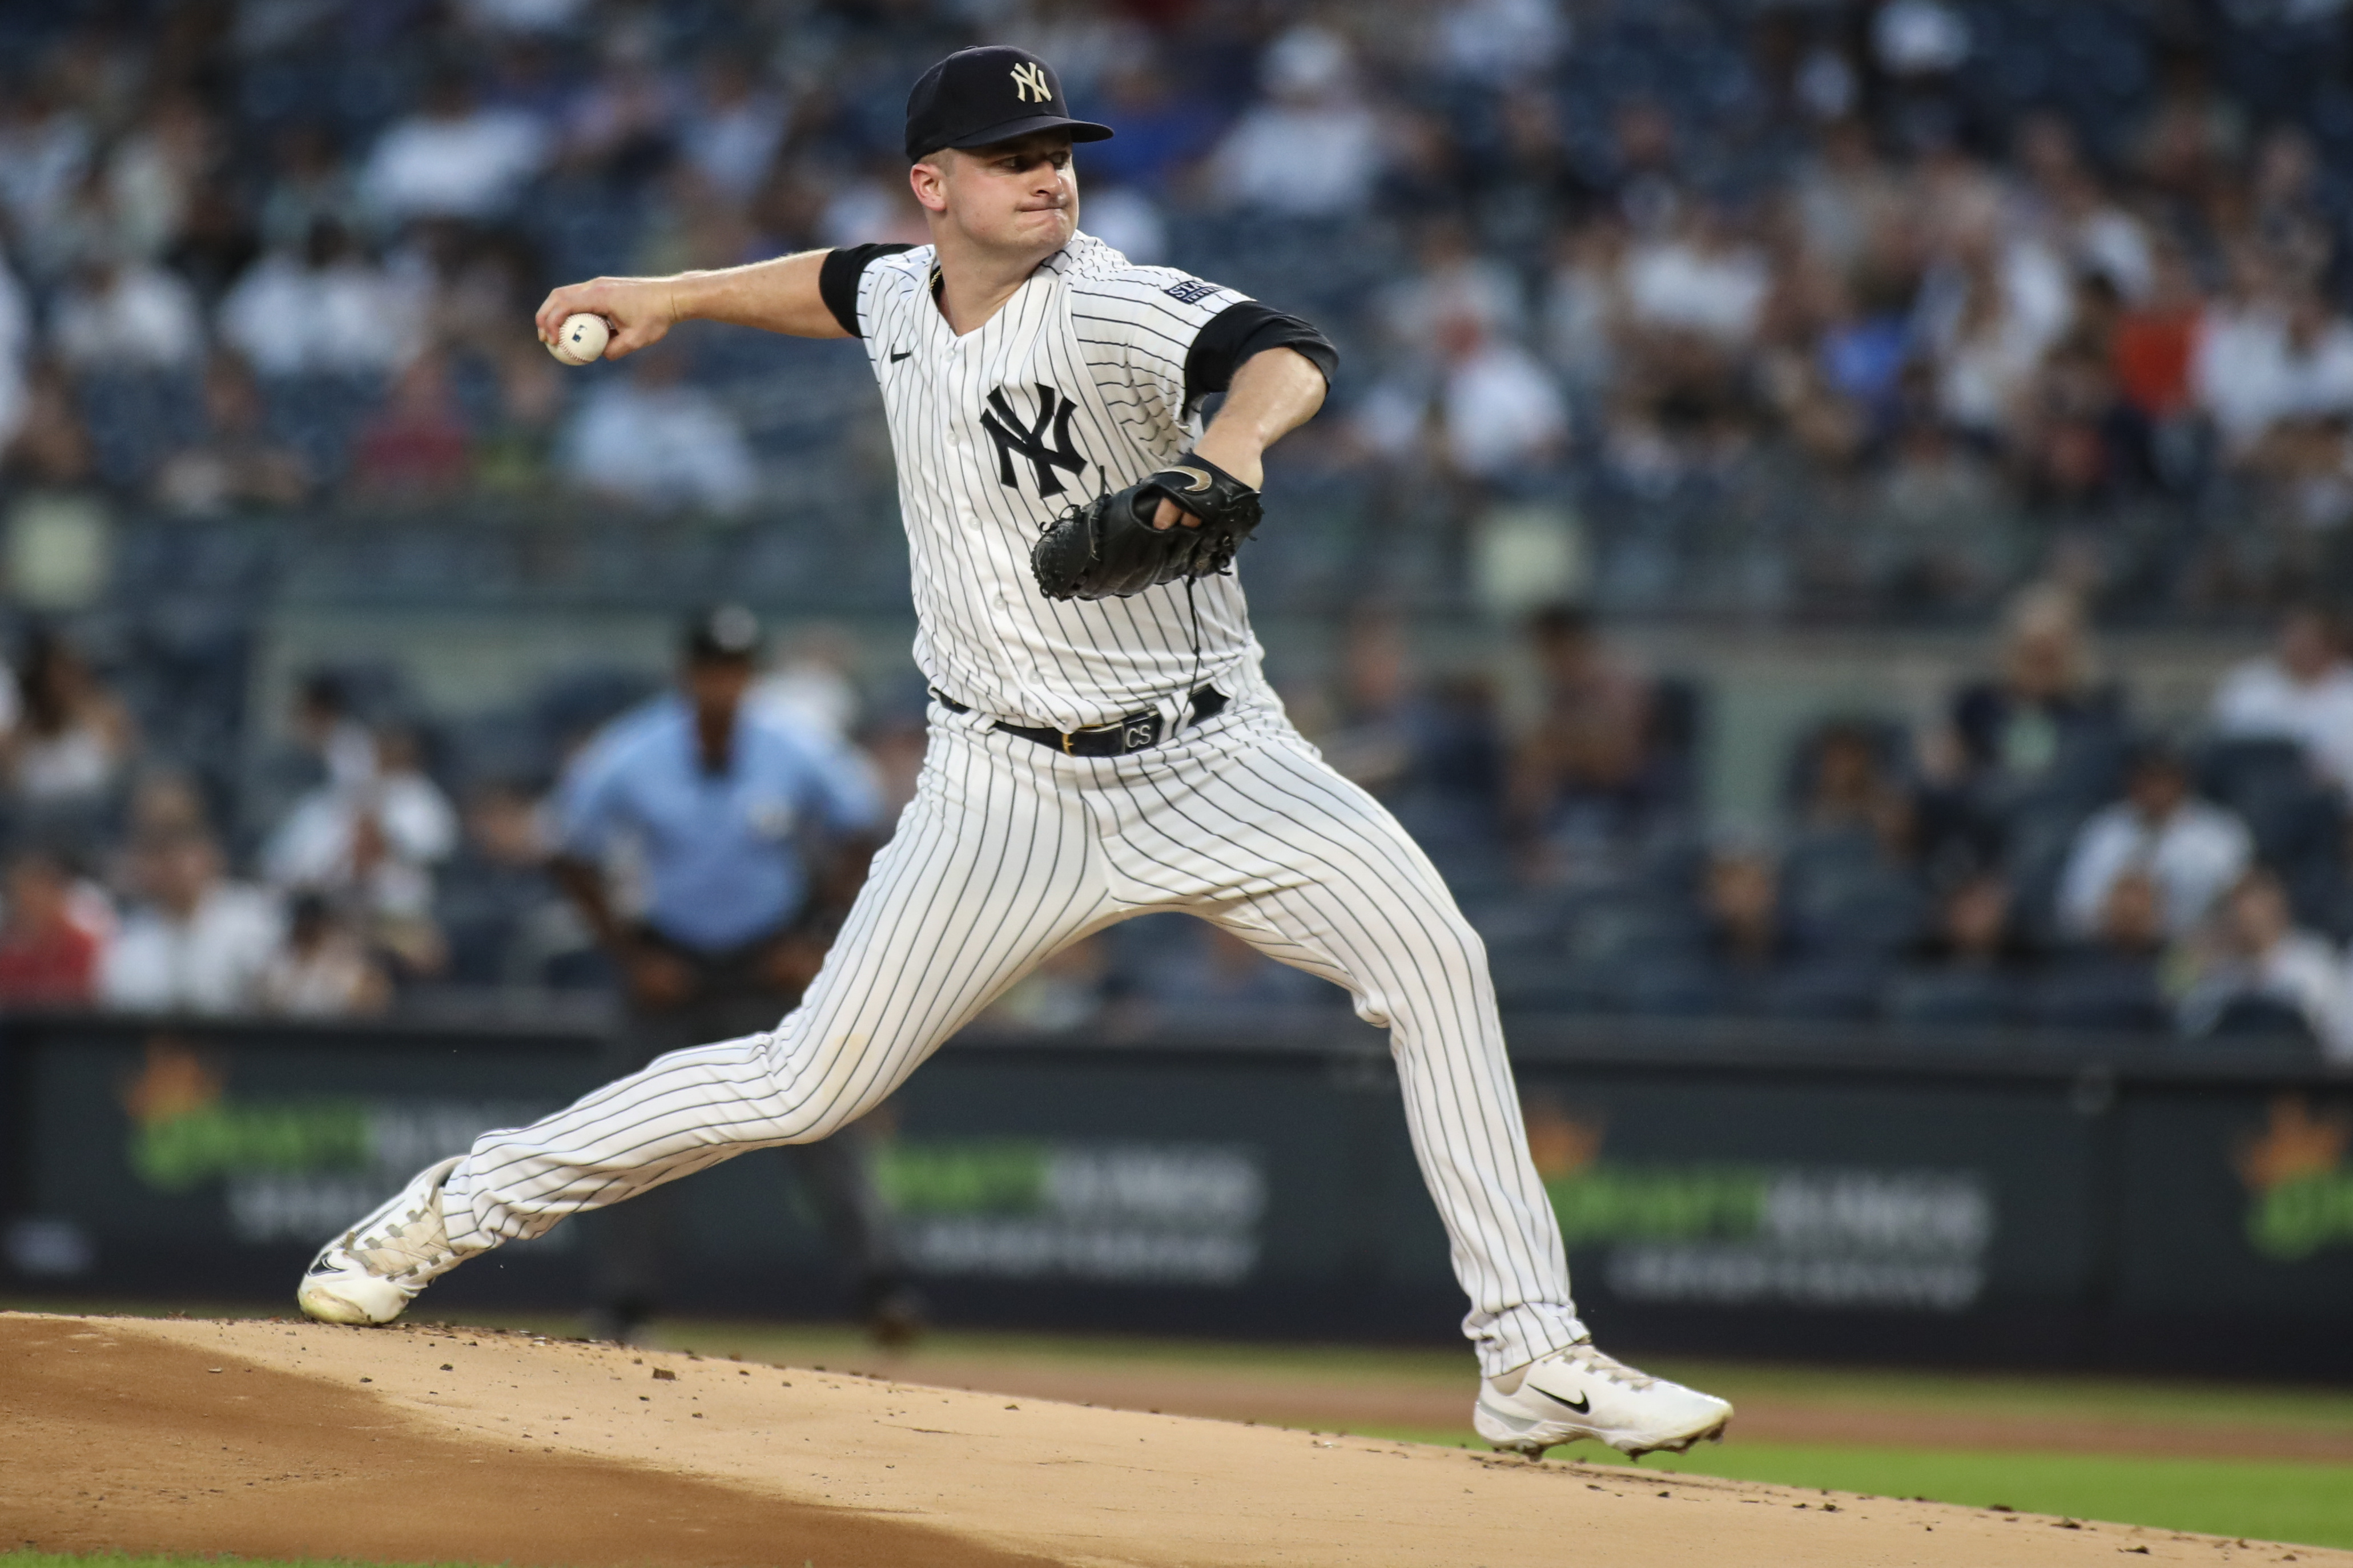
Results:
<point x="722" y="632"/>
<point x="975" y="97"/>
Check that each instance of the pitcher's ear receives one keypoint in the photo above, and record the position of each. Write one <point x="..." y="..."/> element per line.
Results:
<point x="928" y="179"/>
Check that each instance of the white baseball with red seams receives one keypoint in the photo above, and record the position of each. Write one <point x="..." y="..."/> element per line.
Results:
<point x="1084" y="381"/>
<point x="581" y="340"/>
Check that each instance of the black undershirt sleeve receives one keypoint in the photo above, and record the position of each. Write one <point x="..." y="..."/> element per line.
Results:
<point x="838" y="276"/>
<point x="1238" y="331"/>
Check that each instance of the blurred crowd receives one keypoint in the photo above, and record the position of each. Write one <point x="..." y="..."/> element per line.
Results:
<point x="1795" y="307"/>
<point x="2026" y="315"/>
<point x="2030" y="854"/>
<point x="2033" y="854"/>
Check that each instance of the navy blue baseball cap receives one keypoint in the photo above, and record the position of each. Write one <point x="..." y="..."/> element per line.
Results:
<point x="722" y="634"/>
<point x="975" y="97"/>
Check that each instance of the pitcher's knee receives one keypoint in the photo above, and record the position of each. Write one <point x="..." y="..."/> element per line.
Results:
<point x="818" y="1086"/>
<point x="1458" y="947"/>
<point x="1438" y="975"/>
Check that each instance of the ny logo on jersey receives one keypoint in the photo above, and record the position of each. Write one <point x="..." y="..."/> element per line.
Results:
<point x="1029" y="81"/>
<point x="1005" y="429"/>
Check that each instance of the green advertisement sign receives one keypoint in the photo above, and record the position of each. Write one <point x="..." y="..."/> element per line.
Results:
<point x="151" y="1152"/>
<point x="2241" y="1203"/>
<point x="1841" y="1225"/>
<point x="1173" y="1189"/>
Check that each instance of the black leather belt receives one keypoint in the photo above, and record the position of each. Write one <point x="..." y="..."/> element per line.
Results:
<point x="1135" y="732"/>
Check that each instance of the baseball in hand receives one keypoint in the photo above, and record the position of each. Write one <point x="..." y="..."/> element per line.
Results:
<point x="582" y="340"/>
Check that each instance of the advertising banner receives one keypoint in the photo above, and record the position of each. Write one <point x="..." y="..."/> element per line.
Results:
<point x="2240" y="1205"/>
<point x="212" y="1162"/>
<point x="1894" y="1209"/>
<point x="1923" y="1199"/>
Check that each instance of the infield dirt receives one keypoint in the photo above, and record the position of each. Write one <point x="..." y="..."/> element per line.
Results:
<point x="425" y="1442"/>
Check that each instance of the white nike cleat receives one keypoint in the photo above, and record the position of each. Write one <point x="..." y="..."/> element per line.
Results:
<point x="370" y="1273"/>
<point x="1580" y="1393"/>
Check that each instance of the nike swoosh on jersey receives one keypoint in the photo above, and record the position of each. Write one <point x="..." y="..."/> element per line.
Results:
<point x="902" y="353"/>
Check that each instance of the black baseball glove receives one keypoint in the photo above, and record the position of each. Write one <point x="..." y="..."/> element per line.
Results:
<point x="1109" y="548"/>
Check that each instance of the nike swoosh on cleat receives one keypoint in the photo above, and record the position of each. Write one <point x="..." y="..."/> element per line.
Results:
<point x="1582" y="1405"/>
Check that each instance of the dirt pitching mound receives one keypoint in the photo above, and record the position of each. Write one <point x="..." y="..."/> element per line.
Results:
<point x="433" y="1444"/>
<point x="131" y="1441"/>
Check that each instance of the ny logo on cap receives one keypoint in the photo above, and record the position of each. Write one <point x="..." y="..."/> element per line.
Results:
<point x="1029" y="81"/>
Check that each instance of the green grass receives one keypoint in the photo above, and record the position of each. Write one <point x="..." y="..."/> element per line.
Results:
<point x="2276" y="1500"/>
<point x="2173" y="1403"/>
<point x="2271" y="1500"/>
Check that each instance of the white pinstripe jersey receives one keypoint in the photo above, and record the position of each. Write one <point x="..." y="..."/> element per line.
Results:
<point x="1074" y="387"/>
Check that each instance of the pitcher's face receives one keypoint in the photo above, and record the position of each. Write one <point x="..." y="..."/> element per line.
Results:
<point x="1016" y="195"/>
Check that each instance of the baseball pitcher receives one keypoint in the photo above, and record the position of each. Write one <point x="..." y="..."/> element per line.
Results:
<point x="1103" y="744"/>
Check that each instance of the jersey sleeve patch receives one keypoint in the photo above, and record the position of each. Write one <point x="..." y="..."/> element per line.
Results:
<point x="1190" y="290"/>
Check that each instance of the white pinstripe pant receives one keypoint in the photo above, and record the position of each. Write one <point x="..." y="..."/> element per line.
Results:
<point x="1010" y="851"/>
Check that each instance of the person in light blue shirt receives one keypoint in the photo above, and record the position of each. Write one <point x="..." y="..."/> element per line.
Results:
<point x="721" y="810"/>
<point x="746" y="834"/>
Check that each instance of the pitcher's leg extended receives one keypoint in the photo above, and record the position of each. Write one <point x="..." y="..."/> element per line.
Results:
<point x="1364" y="907"/>
<point x="1349" y="896"/>
<point x="990" y="873"/>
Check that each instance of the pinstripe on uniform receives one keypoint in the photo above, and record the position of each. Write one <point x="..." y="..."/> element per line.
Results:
<point x="1011" y="850"/>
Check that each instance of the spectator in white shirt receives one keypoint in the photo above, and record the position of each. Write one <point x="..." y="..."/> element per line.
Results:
<point x="69" y="736"/>
<point x="2192" y="851"/>
<point x="453" y="159"/>
<point x="2256" y="949"/>
<point x="322" y="971"/>
<point x="128" y="316"/>
<point x="1503" y="414"/>
<point x="199" y="943"/>
<point x="1991" y="311"/>
<point x="1313" y="150"/>
<point x="649" y="438"/>
<point x="2264" y="359"/>
<point x="2301" y="692"/>
<point x="327" y="309"/>
<point x="369" y="842"/>
<point x="811" y="684"/>
<point x="1498" y="412"/>
<point x="1700" y="280"/>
